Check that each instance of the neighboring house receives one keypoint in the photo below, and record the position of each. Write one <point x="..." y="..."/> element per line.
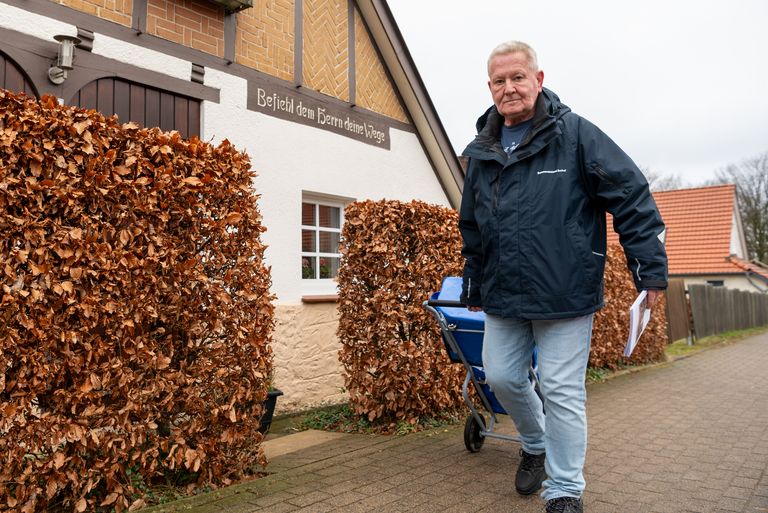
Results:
<point x="705" y="238"/>
<point x="323" y="96"/>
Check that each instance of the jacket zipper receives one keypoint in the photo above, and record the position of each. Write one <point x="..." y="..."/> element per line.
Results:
<point x="604" y="175"/>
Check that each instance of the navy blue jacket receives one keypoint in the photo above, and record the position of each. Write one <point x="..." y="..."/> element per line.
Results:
<point x="533" y="224"/>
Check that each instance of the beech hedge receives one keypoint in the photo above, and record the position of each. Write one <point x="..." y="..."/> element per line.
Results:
<point x="395" y="255"/>
<point x="611" y="324"/>
<point x="135" y="306"/>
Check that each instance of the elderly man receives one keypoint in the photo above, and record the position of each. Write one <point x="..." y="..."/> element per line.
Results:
<point x="539" y="182"/>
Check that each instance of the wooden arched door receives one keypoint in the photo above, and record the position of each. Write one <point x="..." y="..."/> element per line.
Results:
<point x="13" y="78"/>
<point x="141" y="104"/>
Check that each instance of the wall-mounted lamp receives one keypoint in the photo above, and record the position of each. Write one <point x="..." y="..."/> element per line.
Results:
<point x="57" y="73"/>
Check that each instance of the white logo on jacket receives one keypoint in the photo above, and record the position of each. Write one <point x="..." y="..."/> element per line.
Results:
<point x="552" y="172"/>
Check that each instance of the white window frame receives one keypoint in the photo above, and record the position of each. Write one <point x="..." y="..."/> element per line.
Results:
<point x="320" y="286"/>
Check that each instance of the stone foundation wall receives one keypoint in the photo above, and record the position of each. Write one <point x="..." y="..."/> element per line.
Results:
<point x="305" y="347"/>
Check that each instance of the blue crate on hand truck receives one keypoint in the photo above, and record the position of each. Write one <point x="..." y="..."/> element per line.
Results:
<point x="462" y="333"/>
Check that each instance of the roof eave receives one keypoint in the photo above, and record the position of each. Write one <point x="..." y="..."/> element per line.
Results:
<point x="429" y="128"/>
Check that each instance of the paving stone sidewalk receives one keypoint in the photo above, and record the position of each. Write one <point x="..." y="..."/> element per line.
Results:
<point x="690" y="436"/>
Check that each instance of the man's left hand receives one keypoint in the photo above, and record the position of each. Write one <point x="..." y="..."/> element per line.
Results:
<point x="653" y="296"/>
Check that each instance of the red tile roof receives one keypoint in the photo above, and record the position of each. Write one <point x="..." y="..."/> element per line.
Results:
<point x="699" y="223"/>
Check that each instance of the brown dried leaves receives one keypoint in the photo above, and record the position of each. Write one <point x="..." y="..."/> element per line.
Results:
<point x="611" y="324"/>
<point x="395" y="255"/>
<point x="131" y="270"/>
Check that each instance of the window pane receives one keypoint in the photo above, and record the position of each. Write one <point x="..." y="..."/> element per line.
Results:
<point x="329" y="267"/>
<point x="329" y="242"/>
<point x="308" y="240"/>
<point x="308" y="265"/>
<point x="330" y="217"/>
<point x="308" y="214"/>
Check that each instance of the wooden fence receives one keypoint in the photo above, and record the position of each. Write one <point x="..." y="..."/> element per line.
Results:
<point x="718" y="309"/>
<point x="678" y="313"/>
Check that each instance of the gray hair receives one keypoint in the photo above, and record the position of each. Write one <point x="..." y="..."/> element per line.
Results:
<point x="512" y="47"/>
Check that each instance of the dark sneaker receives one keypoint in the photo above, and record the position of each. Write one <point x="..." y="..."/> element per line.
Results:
<point x="564" y="505"/>
<point x="530" y="473"/>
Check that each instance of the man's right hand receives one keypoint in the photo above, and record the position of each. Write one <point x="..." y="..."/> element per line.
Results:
<point x="475" y="308"/>
<point x="653" y="296"/>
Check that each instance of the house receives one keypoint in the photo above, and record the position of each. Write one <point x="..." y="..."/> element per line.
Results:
<point x="323" y="96"/>
<point x="705" y="238"/>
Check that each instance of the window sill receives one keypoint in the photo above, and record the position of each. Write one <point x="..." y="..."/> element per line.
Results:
<point x="318" y="298"/>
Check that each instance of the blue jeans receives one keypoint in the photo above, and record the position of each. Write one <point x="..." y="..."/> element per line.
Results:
<point x="563" y="352"/>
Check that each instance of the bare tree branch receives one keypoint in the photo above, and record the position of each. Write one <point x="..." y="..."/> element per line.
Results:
<point x="661" y="182"/>
<point x="751" y="179"/>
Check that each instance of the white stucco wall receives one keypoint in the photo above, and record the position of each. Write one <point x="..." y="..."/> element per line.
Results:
<point x="738" y="282"/>
<point x="322" y="162"/>
<point x="738" y="242"/>
<point x="32" y="24"/>
<point x="141" y="57"/>
<point x="291" y="158"/>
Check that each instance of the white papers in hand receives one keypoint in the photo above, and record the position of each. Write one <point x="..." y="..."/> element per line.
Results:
<point x="639" y="315"/>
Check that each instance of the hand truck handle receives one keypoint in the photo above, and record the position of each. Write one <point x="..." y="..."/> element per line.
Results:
<point x="445" y="303"/>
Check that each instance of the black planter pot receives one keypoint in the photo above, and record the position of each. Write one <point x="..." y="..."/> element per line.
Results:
<point x="269" y="410"/>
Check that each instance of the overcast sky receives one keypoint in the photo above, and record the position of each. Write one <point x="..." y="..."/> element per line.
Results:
<point x="680" y="85"/>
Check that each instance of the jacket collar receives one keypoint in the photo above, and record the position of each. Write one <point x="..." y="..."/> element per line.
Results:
<point x="547" y="110"/>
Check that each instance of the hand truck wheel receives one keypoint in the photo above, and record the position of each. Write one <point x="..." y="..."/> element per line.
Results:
<point x="473" y="440"/>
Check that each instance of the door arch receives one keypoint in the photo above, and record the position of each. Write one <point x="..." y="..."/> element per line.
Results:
<point x="145" y="105"/>
<point x="13" y="78"/>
